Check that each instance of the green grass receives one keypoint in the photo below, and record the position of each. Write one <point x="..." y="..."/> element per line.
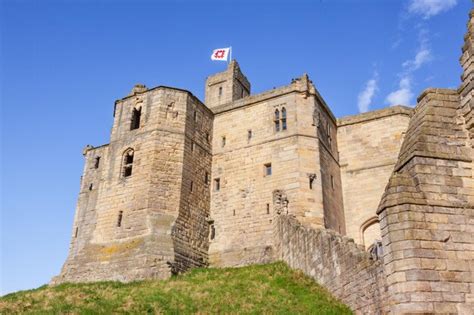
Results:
<point x="258" y="289"/>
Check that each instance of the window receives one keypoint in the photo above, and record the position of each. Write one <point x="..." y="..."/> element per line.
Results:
<point x="127" y="163"/>
<point x="195" y="116"/>
<point x="242" y="93"/>
<point x="223" y="141"/>
<point x="312" y="177"/>
<point x="277" y="120"/>
<point x="191" y="186"/>
<point x="268" y="169"/>
<point x="233" y="213"/>
<point x="329" y="133"/>
<point x="119" y="219"/>
<point x="91" y="186"/>
<point x="332" y="182"/>
<point x="220" y="91"/>
<point x="249" y="135"/>
<point x="268" y="208"/>
<point x="97" y="162"/>
<point x="136" y="114"/>
<point x="217" y="184"/>
<point x="192" y="146"/>
<point x="283" y="118"/>
<point x="206" y="178"/>
<point x="77" y="231"/>
<point x="208" y="138"/>
<point x="212" y="233"/>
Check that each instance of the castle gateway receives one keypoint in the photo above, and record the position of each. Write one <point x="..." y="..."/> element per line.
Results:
<point x="245" y="179"/>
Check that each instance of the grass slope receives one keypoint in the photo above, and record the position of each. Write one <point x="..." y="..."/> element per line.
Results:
<point x="269" y="289"/>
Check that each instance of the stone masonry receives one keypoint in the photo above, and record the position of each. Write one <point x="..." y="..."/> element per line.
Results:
<point x="376" y="207"/>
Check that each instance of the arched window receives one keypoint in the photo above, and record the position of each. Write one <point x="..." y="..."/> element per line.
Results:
<point x="277" y="120"/>
<point x="370" y="231"/>
<point x="136" y="114"/>
<point x="127" y="163"/>
<point x="283" y="118"/>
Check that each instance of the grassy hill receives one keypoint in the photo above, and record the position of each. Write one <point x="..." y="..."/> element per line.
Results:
<point x="268" y="289"/>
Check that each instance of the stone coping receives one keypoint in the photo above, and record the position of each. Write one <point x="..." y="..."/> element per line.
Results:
<point x="374" y="115"/>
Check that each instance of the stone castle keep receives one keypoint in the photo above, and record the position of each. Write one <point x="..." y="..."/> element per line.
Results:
<point x="376" y="207"/>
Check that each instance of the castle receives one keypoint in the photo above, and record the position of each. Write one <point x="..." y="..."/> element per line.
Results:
<point x="243" y="179"/>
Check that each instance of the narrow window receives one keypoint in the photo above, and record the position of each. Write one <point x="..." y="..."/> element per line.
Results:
<point x="277" y="120"/>
<point x="234" y="213"/>
<point x="268" y="169"/>
<point x="223" y="141"/>
<point x="195" y="115"/>
<point x="191" y="186"/>
<point x="97" y="162"/>
<point x="213" y="232"/>
<point x="91" y="186"/>
<point x="77" y="231"/>
<point x="283" y="118"/>
<point x="329" y="134"/>
<point x="119" y="219"/>
<point x="206" y="178"/>
<point x="242" y="93"/>
<point x="136" y="114"/>
<point x="332" y="182"/>
<point x="127" y="163"/>
<point x="217" y="184"/>
<point x="312" y="177"/>
<point x="268" y="208"/>
<point x="249" y="135"/>
<point x="192" y="146"/>
<point x="220" y="91"/>
<point x="208" y="138"/>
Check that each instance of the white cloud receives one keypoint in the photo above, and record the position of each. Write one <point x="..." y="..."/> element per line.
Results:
<point x="422" y="57"/>
<point x="430" y="8"/>
<point x="365" y="96"/>
<point x="403" y="95"/>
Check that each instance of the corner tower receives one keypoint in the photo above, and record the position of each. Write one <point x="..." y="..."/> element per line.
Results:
<point x="227" y="86"/>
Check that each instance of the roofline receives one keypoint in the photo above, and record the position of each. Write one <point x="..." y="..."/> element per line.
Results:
<point x="374" y="115"/>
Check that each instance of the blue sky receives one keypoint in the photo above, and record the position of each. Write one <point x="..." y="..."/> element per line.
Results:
<point x="63" y="64"/>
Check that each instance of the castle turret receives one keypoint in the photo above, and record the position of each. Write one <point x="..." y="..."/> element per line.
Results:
<point x="227" y="86"/>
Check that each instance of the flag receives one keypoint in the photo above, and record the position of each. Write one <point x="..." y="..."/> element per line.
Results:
<point x="220" y="54"/>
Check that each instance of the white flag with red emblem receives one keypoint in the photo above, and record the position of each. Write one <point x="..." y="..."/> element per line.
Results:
<point x="220" y="54"/>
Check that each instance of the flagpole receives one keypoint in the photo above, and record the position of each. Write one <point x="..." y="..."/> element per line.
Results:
<point x="230" y="57"/>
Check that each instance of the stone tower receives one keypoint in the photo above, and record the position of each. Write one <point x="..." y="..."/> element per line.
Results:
<point x="427" y="210"/>
<point x="227" y="86"/>
<point x="144" y="198"/>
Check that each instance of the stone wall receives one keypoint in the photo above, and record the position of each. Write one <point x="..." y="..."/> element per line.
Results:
<point x="335" y="262"/>
<point x="191" y="230"/>
<point x="369" y="145"/>
<point x="245" y="142"/>
<point x="466" y="90"/>
<point x="426" y="213"/>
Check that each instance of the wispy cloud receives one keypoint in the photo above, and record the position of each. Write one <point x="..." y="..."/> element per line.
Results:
<point x="430" y="8"/>
<point x="404" y="94"/>
<point x="366" y="95"/>
<point x="423" y="53"/>
<point x="426" y="9"/>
